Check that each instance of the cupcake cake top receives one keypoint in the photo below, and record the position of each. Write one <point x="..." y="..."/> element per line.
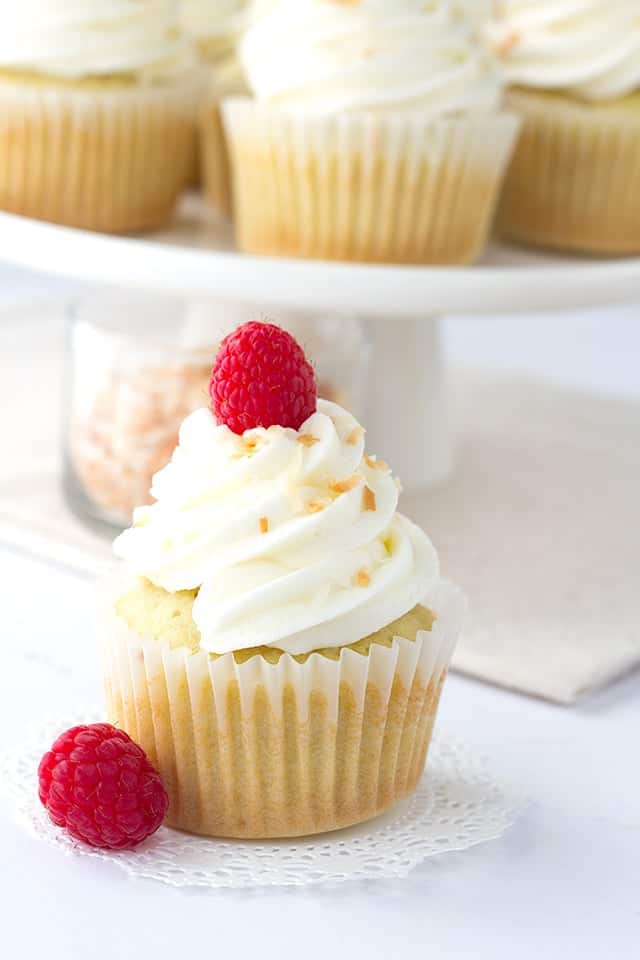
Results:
<point x="273" y="512"/>
<point x="589" y="48"/>
<point x="80" y="38"/>
<point x="325" y="56"/>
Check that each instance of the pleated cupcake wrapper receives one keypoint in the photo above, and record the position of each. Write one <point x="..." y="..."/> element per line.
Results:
<point x="111" y="159"/>
<point x="266" y="750"/>
<point x="214" y="172"/>
<point x="574" y="181"/>
<point x="204" y="94"/>
<point x="215" y="168"/>
<point x="370" y="188"/>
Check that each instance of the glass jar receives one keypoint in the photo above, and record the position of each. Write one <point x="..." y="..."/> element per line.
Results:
<point x="138" y="365"/>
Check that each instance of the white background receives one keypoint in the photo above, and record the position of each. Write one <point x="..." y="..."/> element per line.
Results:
<point x="564" y="883"/>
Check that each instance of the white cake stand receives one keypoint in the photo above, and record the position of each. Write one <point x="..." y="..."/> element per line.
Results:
<point x="407" y="416"/>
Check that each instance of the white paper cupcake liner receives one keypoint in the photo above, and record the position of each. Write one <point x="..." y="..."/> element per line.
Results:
<point x="460" y="803"/>
<point x="214" y="159"/>
<point x="256" y="749"/>
<point x="111" y="158"/>
<point x="574" y="181"/>
<point x="373" y="187"/>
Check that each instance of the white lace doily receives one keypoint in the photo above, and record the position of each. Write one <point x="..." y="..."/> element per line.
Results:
<point x="458" y="804"/>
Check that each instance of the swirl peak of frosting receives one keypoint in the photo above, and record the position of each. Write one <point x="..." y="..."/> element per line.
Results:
<point x="78" y="38"/>
<point x="291" y="538"/>
<point x="323" y="56"/>
<point x="588" y="48"/>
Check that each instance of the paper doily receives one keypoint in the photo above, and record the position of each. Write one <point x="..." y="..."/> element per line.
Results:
<point x="459" y="803"/>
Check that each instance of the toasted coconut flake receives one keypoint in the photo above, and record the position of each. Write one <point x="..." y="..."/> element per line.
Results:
<point x="375" y="464"/>
<point x="264" y="524"/>
<point x="368" y="499"/>
<point x="248" y="446"/>
<point x="343" y="486"/>
<point x="307" y="439"/>
<point x="508" y="43"/>
<point x="354" y="436"/>
<point x="362" y="578"/>
<point x="316" y="506"/>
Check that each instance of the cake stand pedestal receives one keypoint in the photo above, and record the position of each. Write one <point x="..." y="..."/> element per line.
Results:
<point x="407" y="411"/>
<point x="407" y="417"/>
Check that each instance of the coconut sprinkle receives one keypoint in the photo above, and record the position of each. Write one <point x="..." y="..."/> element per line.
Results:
<point x="343" y="486"/>
<point x="307" y="439"/>
<point x="368" y="499"/>
<point x="374" y="464"/>
<point x="354" y="436"/>
<point x="316" y="506"/>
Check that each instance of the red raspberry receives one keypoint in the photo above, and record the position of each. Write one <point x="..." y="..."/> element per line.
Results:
<point x="261" y="377"/>
<point x="98" y="784"/>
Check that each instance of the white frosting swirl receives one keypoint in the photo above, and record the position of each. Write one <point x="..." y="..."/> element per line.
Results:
<point x="77" y="38"/>
<point x="475" y="11"/>
<point x="323" y="56"/>
<point x="209" y="19"/>
<point x="589" y="48"/>
<point x="292" y="537"/>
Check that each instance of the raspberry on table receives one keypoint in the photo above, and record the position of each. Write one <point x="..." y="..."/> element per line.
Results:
<point x="99" y="785"/>
<point x="262" y="378"/>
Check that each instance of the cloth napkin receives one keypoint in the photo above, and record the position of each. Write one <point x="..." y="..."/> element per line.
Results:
<point x="539" y="522"/>
<point x="34" y="516"/>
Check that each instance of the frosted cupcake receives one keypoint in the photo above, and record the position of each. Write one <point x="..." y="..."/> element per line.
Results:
<point x="575" y="70"/>
<point x="280" y="637"/>
<point x="215" y="26"/>
<point x="97" y="103"/>
<point x="375" y="133"/>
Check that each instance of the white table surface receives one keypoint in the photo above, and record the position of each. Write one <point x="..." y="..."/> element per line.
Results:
<point x="563" y="883"/>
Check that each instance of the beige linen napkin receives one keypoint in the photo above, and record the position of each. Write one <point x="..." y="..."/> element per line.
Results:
<point x="33" y="514"/>
<point x="540" y="524"/>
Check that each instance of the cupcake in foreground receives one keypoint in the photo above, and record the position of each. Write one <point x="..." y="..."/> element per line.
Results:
<point x="215" y="27"/>
<point x="97" y="105"/>
<point x="575" y="70"/>
<point x="375" y="133"/>
<point x="279" y="639"/>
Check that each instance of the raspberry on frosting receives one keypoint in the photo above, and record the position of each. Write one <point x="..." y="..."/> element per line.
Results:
<point x="99" y="785"/>
<point x="261" y="378"/>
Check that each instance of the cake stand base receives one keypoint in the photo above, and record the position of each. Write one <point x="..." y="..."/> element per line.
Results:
<point x="407" y="410"/>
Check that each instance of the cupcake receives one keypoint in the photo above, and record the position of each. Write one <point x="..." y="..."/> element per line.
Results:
<point x="215" y="26"/>
<point x="575" y="75"/>
<point x="375" y="133"/>
<point x="97" y="104"/>
<point x="279" y="635"/>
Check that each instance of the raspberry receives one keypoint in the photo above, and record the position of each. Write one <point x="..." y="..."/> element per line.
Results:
<point x="261" y="377"/>
<point x="98" y="784"/>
